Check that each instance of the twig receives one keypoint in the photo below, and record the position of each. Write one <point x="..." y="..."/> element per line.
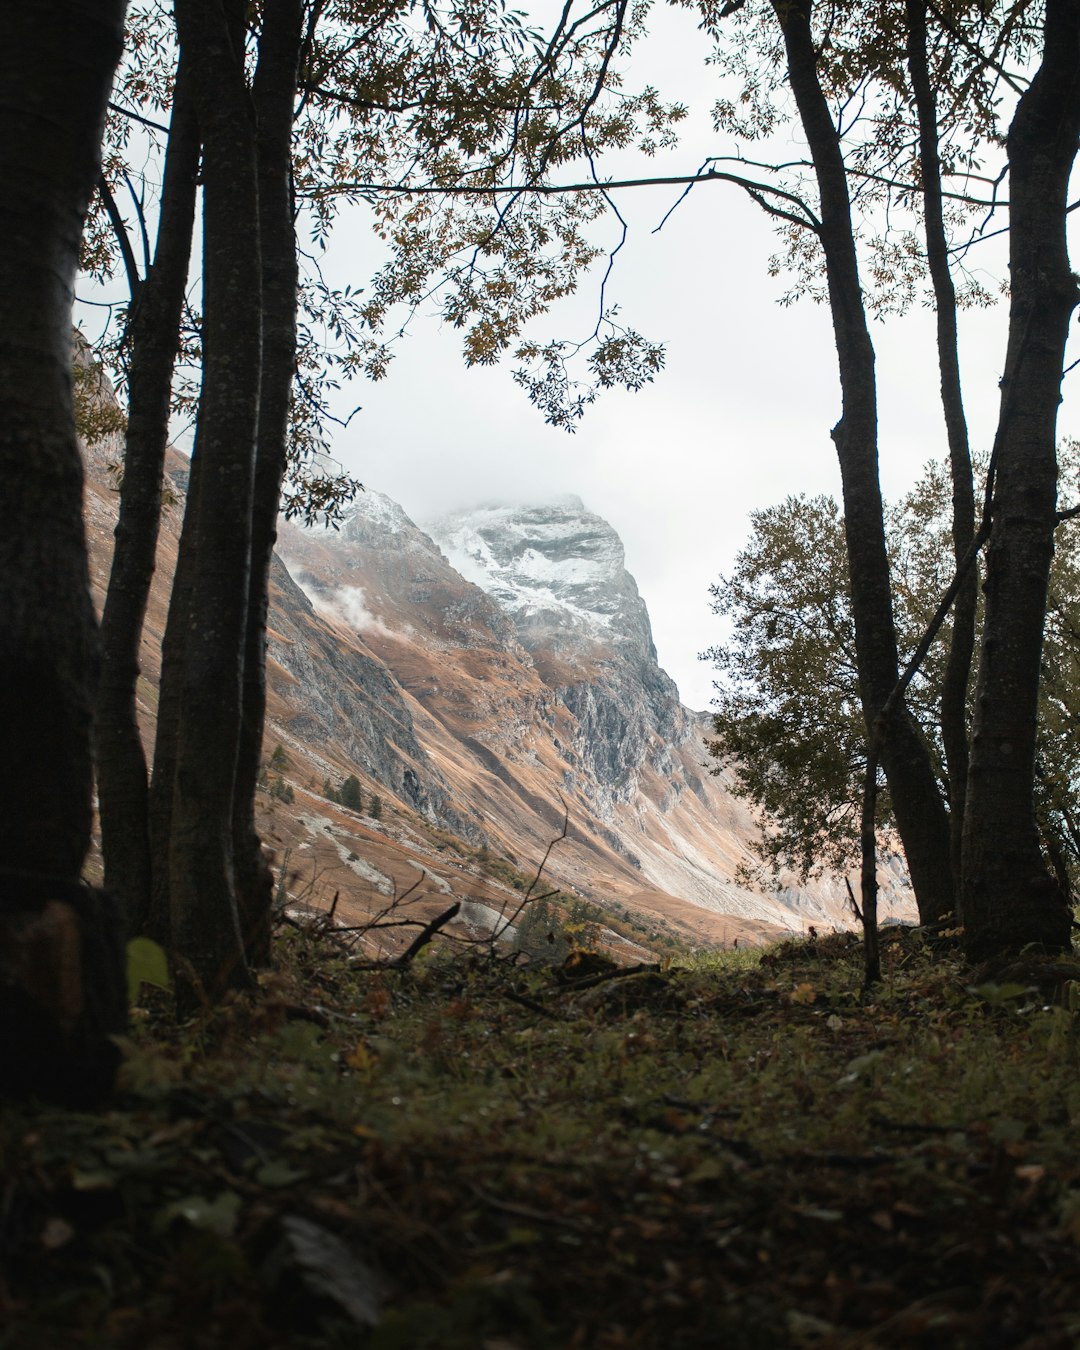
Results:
<point x="424" y="937"/>
<point x="524" y="1002"/>
<point x="854" y="902"/>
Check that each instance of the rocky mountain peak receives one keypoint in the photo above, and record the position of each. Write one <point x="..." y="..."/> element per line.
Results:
<point x="557" y="569"/>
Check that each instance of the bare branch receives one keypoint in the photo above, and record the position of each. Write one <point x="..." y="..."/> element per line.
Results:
<point x="131" y="267"/>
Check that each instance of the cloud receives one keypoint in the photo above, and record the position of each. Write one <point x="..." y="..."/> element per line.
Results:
<point x="348" y="604"/>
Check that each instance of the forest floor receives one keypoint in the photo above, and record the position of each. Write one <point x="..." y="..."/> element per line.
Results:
<point x="463" y="1155"/>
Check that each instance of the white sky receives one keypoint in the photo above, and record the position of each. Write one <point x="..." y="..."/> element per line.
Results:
<point x="739" y="418"/>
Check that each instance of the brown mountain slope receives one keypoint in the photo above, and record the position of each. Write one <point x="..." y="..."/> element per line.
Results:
<point x="390" y="665"/>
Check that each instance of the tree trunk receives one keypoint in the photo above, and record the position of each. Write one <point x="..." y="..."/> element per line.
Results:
<point x="1010" y="897"/>
<point x="152" y="339"/>
<point x="917" y="805"/>
<point x="954" y="716"/>
<point x="275" y="96"/>
<point x="56" y="66"/>
<point x="159" y="925"/>
<point x="205" y="927"/>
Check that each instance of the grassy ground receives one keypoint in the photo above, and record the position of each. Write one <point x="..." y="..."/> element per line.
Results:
<point x="736" y="1154"/>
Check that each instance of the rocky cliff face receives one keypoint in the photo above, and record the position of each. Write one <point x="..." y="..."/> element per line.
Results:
<point x="559" y="572"/>
<point x="530" y="694"/>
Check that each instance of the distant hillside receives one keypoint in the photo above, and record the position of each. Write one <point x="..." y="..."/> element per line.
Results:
<point x="494" y="683"/>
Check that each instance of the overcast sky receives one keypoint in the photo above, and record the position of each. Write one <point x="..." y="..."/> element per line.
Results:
<point x="739" y="418"/>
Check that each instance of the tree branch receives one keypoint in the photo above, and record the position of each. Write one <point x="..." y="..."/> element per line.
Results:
<point x="116" y="220"/>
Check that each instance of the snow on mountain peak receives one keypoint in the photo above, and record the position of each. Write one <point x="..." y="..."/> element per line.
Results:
<point x="554" y="566"/>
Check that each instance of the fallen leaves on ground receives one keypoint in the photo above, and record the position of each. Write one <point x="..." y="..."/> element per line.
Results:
<point x="465" y="1154"/>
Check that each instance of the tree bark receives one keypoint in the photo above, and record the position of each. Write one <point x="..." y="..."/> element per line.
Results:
<point x="56" y="67"/>
<point x="163" y="779"/>
<point x="1010" y="897"/>
<point x="152" y="340"/>
<point x="205" y="927"/>
<point x="954" y="714"/>
<point x="274" y="92"/>
<point x="920" y="813"/>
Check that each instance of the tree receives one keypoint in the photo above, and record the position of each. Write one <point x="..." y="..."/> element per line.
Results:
<point x="917" y="804"/>
<point x="150" y="342"/>
<point x="1009" y="897"/>
<point x="375" y="807"/>
<point x="59" y="982"/>
<point x="954" y="688"/>
<point x="796" y="757"/>
<point x="349" y="794"/>
<point x="862" y="82"/>
<point x="800" y="758"/>
<point x="204" y="921"/>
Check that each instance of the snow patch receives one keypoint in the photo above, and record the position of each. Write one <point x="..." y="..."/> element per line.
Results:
<point x="559" y="560"/>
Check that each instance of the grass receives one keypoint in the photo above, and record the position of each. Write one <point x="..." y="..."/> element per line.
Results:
<point x="736" y="1151"/>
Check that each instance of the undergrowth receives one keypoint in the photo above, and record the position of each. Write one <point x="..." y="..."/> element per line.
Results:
<point x="738" y="1151"/>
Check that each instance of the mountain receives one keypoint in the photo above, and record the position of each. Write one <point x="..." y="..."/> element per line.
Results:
<point x="528" y="694"/>
<point x="494" y="682"/>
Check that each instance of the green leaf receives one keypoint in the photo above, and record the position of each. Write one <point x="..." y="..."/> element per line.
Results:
<point x="146" y="964"/>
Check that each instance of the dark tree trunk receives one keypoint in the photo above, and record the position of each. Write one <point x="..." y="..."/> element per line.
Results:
<point x="920" y="813"/>
<point x="275" y="96"/>
<point x="204" y="920"/>
<point x="56" y="66"/>
<point x="159" y="925"/>
<point x="1010" y="897"/>
<point x="152" y="339"/>
<point x="954" y="716"/>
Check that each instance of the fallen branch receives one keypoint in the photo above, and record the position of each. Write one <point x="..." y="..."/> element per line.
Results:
<point x="424" y="937"/>
<point x="590" y="981"/>
<point x="530" y="1003"/>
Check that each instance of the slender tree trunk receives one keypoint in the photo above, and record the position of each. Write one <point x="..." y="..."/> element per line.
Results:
<point x="162" y="782"/>
<point x="152" y="338"/>
<point x="275" y="96"/>
<point x="954" y="717"/>
<point x="1010" y="898"/>
<point x="919" y="810"/>
<point x="56" y="66"/>
<point x="205" y="926"/>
